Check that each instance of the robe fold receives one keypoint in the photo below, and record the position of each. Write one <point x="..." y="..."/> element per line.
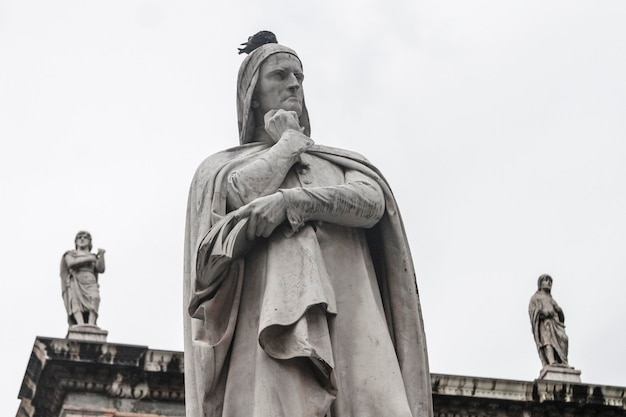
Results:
<point x="79" y="288"/>
<point x="547" y="327"/>
<point x="323" y="322"/>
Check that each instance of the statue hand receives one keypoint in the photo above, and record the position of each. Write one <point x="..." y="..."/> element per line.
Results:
<point x="279" y="121"/>
<point x="264" y="213"/>
<point x="101" y="252"/>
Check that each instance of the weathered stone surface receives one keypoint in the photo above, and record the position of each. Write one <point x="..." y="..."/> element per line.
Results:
<point x="299" y="283"/>
<point x="76" y="379"/>
<point x="87" y="332"/>
<point x="79" y="378"/>
<point x="463" y="396"/>
<point x="560" y="373"/>
<point x="548" y="326"/>
<point x="79" y="281"/>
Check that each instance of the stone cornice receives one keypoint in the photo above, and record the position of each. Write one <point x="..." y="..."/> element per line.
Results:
<point x="61" y="366"/>
<point x="532" y="396"/>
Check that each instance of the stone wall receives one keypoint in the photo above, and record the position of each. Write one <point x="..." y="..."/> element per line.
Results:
<point x="70" y="378"/>
<point x="461" y="396"/>
<point x="74" y="378"/>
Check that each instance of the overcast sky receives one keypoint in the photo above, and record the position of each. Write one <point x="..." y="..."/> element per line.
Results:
<point x="499" y="124"/>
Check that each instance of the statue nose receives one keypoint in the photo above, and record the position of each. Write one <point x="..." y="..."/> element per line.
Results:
<point x="293" y="81"/>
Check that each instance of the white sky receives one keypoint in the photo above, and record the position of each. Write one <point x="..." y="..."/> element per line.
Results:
<point x="500" y="126"/>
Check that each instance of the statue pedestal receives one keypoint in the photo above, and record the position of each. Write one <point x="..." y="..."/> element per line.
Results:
<point x="87" y="332"/>
<point x="560" y="373"/>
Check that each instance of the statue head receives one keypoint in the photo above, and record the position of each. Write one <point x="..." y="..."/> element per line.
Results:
<point x="82" y="235"/>
<point x="544" y="282"/>
<point x="261" y="57"/>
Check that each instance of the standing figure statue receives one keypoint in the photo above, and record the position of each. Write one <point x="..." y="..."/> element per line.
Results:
<point x="548" y="324"/>
<point x="300" y="289"/>
<point x="79" y="281"/>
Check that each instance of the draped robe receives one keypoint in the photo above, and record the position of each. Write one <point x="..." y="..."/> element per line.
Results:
<point x="323" y="322"/>
<point x="546" y="318"/>
<point x="79" y="286"/>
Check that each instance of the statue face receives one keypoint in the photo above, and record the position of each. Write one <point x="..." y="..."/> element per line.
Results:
<point x="280" y="84"/>
<point x="546" y="284"/>
<point x="83" y="240"/>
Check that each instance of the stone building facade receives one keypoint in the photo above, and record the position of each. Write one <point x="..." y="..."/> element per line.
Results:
<point x="78" y="378"/>
<point x="463" y="396"/>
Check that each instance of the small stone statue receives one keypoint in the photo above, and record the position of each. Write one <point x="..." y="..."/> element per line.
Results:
<point x="548" y="324"/>
<point x="79" y="281"/>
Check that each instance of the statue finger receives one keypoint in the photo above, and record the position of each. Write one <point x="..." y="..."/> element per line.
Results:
<point x="269" y="228"/>
<point x="261" y="225"/>
<point x="251" y="229"/>
<point x="242" y="212"/>
<point x="269" y="115"/>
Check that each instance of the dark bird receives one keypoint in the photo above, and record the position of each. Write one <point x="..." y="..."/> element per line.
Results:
<point x="256" y="40"/>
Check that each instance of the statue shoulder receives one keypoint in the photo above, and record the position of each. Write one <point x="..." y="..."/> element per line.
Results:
<point x="72" y="252"/>
<point x="535" y="301"/>
<point x="64" y="267"/>
<point x="212" y="164"/>
<point x="538" y="296"/>
<point x="330" y="150"/>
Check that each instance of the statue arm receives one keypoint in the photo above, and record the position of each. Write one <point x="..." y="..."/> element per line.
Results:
<point x="64" y="272"/>
<point x="100" y="261"/>
<point x="533" y="312"/>
<point x="265" y="174"/>
<point x="559" y="313"/>
<point x="78" y="260"/>
<point x="359" y="202"/>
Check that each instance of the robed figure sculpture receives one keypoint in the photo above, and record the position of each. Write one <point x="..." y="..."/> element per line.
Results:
<point x="79" y="281"/>
<point x="300" y="290"/>
<point x="548" y="325"/>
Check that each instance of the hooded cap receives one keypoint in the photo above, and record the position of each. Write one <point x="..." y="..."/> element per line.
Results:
<point x="85" y="233"/>
<point x="540" y="280"/>
<point x="246" y="84"/>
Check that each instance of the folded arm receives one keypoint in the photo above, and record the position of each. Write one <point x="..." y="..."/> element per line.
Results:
<point x="265" y="174"/>
<point x="359" y="202"/>
<point x="100" y="265"/>
<point x="79" y="260"/>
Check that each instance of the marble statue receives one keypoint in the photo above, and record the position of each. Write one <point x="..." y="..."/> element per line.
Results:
<point x="548" y="325"/>
<point x="79" y="281"/>
<point x="300" y="289"/>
